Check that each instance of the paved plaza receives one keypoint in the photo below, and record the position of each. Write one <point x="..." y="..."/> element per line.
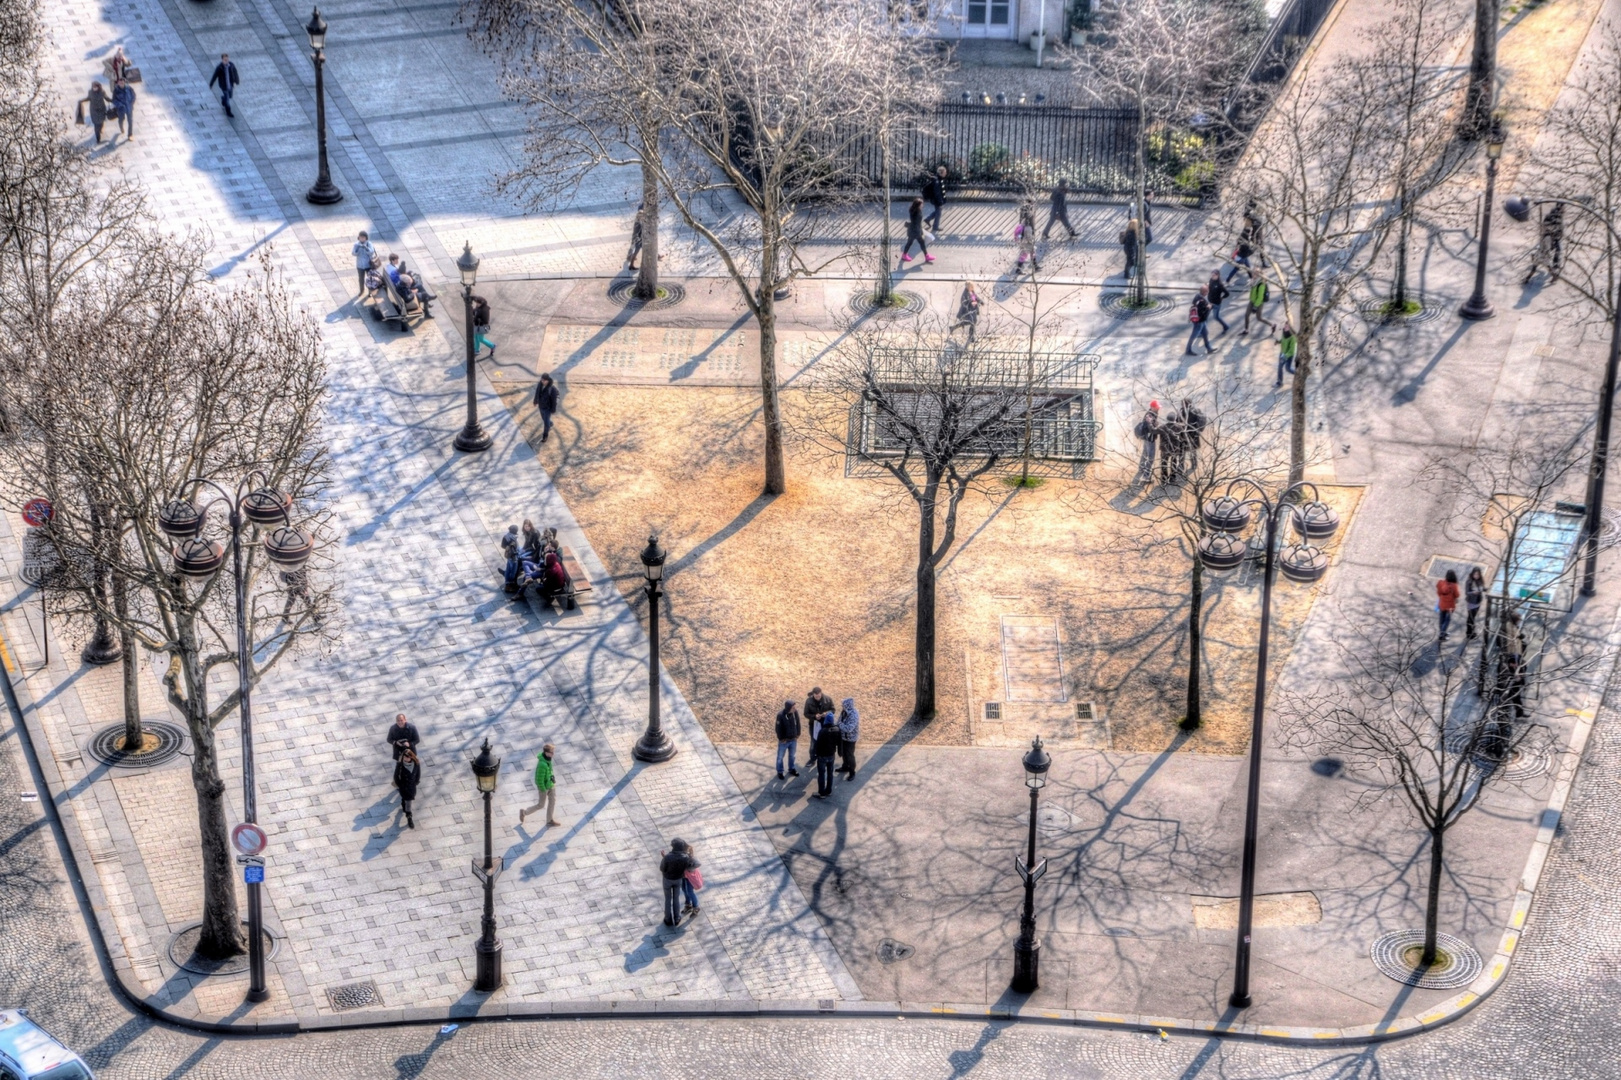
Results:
<point x="806" y="903"/>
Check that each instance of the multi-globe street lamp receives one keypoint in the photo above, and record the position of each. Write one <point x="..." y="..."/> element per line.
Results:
<point x="472" y="437"/>
<point x="1520" y="210"/>
<point x="1027" y="950"/>
<point x="255" y="502"/>
<point x="486" y="771"/>
<point x="325" y="192"/>
<point x="654" y="745"/>
<point x="1222" y="549"/>
<point x="1478" y="307"/>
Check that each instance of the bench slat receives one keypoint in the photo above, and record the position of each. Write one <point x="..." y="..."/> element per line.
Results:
<point x="576" y="574"/>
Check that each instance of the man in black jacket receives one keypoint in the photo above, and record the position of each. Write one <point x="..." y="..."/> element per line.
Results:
<point x="226" y="78"/>
<point x="402" y="736"/>
<point x="546" y="402"/>
<point x="673" y="868"/>
<point x="825" y="748"/>
<point x="934" y="193"/>
<point x="1060" y="210"/>
<point x="818" y="709"/>
<point x="787" y="737"/>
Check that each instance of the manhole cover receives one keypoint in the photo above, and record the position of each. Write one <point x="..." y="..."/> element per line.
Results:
<point x="357" y="995"/>
<point x="891" y="951"/>
<point x="901" y="302"/>
<point x="183" y="952"/>
<point x="1374" y="311"/>
<point x="1119" y="305"/>
<point x="670" y="294"/>
<point x="160" y="743"/>
<point x="1456" y="964"/>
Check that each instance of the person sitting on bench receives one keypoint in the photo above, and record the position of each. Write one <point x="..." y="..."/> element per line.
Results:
<point x="509" y="548"/>
<point x="554" y="579"/>
<point x="406" y="285"/>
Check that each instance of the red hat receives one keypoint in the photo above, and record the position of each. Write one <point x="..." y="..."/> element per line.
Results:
<point x="1153" y="405"/>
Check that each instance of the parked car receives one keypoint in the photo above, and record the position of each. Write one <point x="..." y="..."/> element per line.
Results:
<point x="27" y="1052"/>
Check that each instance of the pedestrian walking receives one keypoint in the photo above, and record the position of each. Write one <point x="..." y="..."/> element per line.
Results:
<point x="825" y="746"/>
<point x="1241" y="260"/>
<point x="787" y="737"/>
<point x="934" y="190"/>
<point x="914" y="234"/>
<point x="93" y="108"/>
<point x="691" y="882"/>
<point x="849" y="731"/>
<point x="968" y="310"/>
<point x="402" y="736"/>
<point x="818" y="711"/>
<point x="365" y="258"/>
<point x="226" y="78"/>
<point x="481" y="328"/>
<point x="1148" y="430"/>
<point x="1249" y="234"/>
<point x="1550" y="250"/>
<point x="1199" y="316"/>
<point x="546" y="401"/>
<point x="1288" y="348"/>
<point x="673" y="869"/>
<point x="124" y="108"/>
<point x="1216" y="292"/>
<point x="116" y="65"/>
<point x="1059" y="213"/>
<point x="1147" y="218"/>
<point x="635" y="238"/>
<point x="545" y="787"/>
<point x="1128" y="244"/>
<point x="1474" y="594"/>
<point x="1446" y="600"/>
<point x="1259" y="294"/>
<point x="407" y="775"/>
<point x="1024" y="236"/>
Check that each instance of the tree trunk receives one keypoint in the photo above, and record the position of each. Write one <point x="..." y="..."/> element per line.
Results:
<point x="1477" y="108"/>
<point x="1404" y="233"/>
<point x="1139" y="292"/>
<point x="101" y="648"/>
<point x="886" y="253"/>
<point x="647" y="276"/>
<point x="1192" y="719"/>
<point x="132" y="668"/>
<point x="1432" y="907"/>
<point x="222" y="924"/>
<point x="923" y="705"/>
<point x="1297" y="394"/>
<point x="776" y="481"/>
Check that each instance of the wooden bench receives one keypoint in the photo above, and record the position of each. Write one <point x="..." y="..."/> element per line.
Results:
<point x="576" y="573"/>
<point x="389" y="305"/>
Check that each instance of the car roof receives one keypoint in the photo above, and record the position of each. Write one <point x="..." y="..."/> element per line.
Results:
<point x="30" y="1045"/>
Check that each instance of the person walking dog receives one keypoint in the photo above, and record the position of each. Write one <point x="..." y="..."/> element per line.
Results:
<point x="787" y="737"/>
<point x="407" y="775"/>
<point x="673" y="869"/>
<point x="226" y="78"/>
<point x="545" y="787"/>
<point x="546" y="401"/>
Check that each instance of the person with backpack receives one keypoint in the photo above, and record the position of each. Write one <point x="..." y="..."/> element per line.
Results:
<point x="1288" y="348"/>
<point x="788" y="730"/>
<point x="1216" y="292"/>
<point x="1259" y="294"/>
<point x="1199" y="316"/>
<point x="481" y="327"/>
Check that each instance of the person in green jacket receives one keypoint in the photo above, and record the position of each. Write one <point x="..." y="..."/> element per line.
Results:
<point x="546" y="786"/>
<point x="1287" y="348"/>
<point x="1259" y="294"/>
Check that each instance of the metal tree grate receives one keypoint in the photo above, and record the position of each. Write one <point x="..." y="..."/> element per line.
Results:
<point x="993" y="710"/>
<point x="358" y="995"/>
<point x="1456" y="964"/>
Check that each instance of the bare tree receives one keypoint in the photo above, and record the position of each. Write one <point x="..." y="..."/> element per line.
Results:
<point x="563" y="60"/>
<point x="179" y="383"/>
<point x="1404" y="721"/>
<point x="1482" y="95"/>
<point x="936" y="416"/>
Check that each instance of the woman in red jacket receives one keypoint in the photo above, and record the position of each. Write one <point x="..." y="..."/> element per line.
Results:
<point x="1446" y="600"/>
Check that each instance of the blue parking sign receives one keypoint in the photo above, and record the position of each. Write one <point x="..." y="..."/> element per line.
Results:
<point x="253" y="875"/>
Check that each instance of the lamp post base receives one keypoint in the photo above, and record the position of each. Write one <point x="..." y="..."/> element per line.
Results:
<point x="653" y="748"/>
<point x="102" y="650"/>
<point x="1476" y="309"/>
<point x="1026" y="966"/>
<point x="324" y="193"/>
<point x="1239" y="1001"/>
<point x="473" y="438"/>
<point x="489" y="966"/>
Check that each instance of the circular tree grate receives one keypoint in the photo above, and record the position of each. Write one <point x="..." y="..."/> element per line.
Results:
<point x="670" y="294"/>
<point x="1373" y="311"/>
<point x="183" y="952"/>
<point x="1456" y="963"/>
<point x="1525" y="763"/>
<point x="162" y="742"/>
<point x="901" y="302"/>
<point x="1119" y="305"/>
<point x="1609" y="530"/>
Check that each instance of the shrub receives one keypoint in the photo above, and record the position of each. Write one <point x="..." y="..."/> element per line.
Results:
<point x="987" y="161"/>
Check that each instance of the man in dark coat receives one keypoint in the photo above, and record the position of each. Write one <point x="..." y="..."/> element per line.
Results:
<point x="226" y="78"/>
<point x="1060" y="210"/>
<point x="402" y="736"/>
<point x="818" y="709"/>
<point x="934" y="193"/>
<point x="546" y="402"/>
<point x="673" y="869"/>
<point x="825" y="748"/>
<point x="1193" y="425"/>
<point x="787" y="737"/>
<point x="98" y="103"/>
<point x="407" y="774"/>
<point x="124" y="108"/>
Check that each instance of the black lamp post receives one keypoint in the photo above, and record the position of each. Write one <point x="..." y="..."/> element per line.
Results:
<point x="325" y="192"/>
<point x="1478" y="307"/>
<point x="486" y="769"/>
<point x="270" y="510"/>
<point x="654" y="745"/>
<point x="1221" y="549"/>
<point x="472" y="437"/>
<point x="1520" y="210"/>
<point x="1027" y="950"/>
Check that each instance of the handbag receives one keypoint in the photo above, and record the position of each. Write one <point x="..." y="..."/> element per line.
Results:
<point x="695" y="877"/>
<point x="928" y="237"/>
<point x="78" y="113"/>
<point x="132" y="75"/>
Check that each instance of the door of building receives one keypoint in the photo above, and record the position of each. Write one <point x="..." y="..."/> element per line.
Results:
<point x="988" y="18"/>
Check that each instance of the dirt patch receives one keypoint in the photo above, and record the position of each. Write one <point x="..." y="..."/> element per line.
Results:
<point x="770" y="596"/>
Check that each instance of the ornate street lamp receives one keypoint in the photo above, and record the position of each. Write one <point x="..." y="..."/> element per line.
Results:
<point x="325" y="192"/>
<point x="1520" y="210"/>
<point x="486" y="770"/>
<point x="654" y="745"/>
<point x="1302" y="561"/>
<point x="1478" y="307"/>
<point x="270" y="511"/>
<point x="472" y="438"/>
<point x="1027" y="950"/>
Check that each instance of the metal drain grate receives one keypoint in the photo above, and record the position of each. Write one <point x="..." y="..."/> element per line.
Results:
<point x="354" y="996"/>
<point x="993" y="710"/>
<point x="1083" y="712"/>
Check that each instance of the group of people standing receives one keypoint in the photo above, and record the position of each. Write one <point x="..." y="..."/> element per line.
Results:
<point x="833" y="737"/>
<point x="1176" y="436"/>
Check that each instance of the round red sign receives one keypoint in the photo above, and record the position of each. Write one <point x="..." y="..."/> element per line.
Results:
<point x="248" y="839"/>
<point x="37" y="512"/>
